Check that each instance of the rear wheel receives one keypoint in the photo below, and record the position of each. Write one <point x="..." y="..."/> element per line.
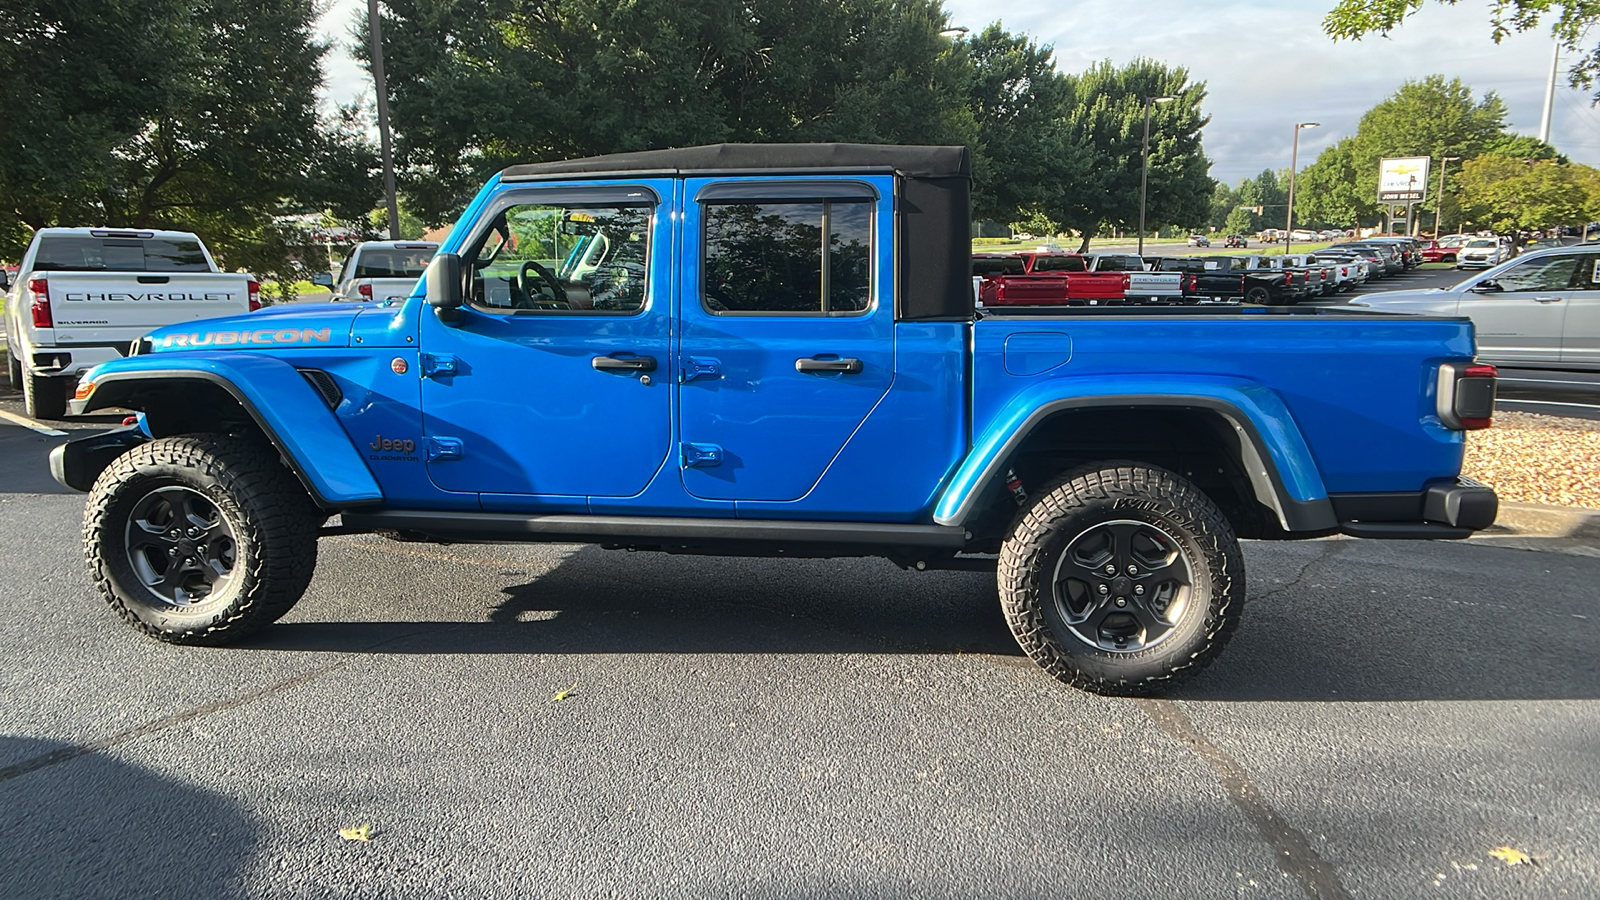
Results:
<point x="201" y="539"/>
<point x="1122" y="579"/>
<point x="14" y="369"/>
<point x="1258" y="295"/>
<point x="44" y="397"/>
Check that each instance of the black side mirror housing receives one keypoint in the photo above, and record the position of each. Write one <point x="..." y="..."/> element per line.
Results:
<point x="442" y="282"/>
<point x="5" y="279"/>
<point x="1487" y="286"/>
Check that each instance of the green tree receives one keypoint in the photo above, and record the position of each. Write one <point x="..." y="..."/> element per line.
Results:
<point x="1269" y="192"/>
<point x="479" y="84"/>
<point x="1507" y="193"/>
<point x="1328" y="191"/>
<point x="215" y="130"/>
<point x="1239" y="221"/>
<point x="1570" y="22"/>
<point x="1106" y="116"/>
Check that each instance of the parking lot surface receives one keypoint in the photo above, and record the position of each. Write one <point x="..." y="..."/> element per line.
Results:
<point x="1388" y="713"/>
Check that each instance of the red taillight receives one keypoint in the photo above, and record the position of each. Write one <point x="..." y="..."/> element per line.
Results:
<point x="364" y="290"/>
<point x="40" y="307"/>
<point x="1466" y="396"/>
<point x="255" y="295"/>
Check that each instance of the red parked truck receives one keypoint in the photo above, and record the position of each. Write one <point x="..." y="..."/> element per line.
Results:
<point x="1045" y="279"/>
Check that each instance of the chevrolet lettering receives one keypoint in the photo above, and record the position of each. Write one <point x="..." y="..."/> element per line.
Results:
<point x="626" y="351"/>
<point x="118" y="297"/>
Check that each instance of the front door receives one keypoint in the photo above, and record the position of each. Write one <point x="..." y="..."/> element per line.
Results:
<point x="1518" y="314"/>
<point x="554" y="381"/>
<point x="788" y="329"/>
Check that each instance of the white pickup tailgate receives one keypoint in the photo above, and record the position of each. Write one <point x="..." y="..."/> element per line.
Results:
<point x="1154" y="284"/>
<point x="383" y="288"/>
<point x="116" y="307"/>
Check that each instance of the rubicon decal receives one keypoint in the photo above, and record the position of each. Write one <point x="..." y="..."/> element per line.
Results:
<point x="240" y="338"/>
<point x="123" y="297"/>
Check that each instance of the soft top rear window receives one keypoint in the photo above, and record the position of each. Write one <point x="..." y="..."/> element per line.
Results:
<point x="84" y="253"/>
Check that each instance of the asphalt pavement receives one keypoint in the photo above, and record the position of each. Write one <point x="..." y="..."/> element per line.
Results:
<point x="1388" y="713"/>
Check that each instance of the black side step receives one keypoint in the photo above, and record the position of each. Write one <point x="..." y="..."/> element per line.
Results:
<point x="651" y="529"/>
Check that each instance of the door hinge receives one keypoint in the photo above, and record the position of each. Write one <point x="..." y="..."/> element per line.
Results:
<point x="692" y="367"/>
<point x="441" y="448"/>
<point x="700" y="456"/>
<point x="435" y="365"/>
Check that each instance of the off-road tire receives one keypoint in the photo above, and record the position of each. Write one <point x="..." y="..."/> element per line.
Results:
<point x="272" y="523"/>
<point x="1095" y="495"/>
<point x="44" y="397"/>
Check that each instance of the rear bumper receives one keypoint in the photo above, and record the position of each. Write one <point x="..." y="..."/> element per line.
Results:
<point x="1447" y="510"/>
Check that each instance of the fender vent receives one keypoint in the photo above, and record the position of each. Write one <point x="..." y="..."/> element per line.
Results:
<point x="325" y="385"/>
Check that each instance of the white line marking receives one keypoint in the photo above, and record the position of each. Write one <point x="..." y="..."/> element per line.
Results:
<point x="1551" y="403"/>
<point x="29" y="424"/>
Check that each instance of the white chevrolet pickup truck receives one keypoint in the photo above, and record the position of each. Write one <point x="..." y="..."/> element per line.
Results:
<point x="380" y="270"/>
<point x="83" y="295"/>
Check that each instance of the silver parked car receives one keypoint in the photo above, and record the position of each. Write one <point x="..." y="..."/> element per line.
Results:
<point x="1540" y="309"/>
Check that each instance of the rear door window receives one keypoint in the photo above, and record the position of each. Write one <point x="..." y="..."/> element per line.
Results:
<point x="788" y="258"/>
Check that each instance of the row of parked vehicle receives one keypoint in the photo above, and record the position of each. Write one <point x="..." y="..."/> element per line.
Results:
<point x="1051" y="278"/>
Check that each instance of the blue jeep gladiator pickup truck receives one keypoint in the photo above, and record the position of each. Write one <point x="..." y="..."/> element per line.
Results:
<point x="773" y="350"/>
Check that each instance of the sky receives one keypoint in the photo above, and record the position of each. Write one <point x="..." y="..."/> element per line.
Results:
<point x="1266" y="65"/>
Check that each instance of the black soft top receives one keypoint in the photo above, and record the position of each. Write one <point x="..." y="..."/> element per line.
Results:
<point x="933" y="247"/>
<point x="794" y="159"/>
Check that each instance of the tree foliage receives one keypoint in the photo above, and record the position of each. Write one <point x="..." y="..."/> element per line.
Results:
<point x="1570" y="22"/>
<point x="1508" y="193"/>
<point x="1433" y="117"/>
<point x="480" y="84"/>
<point x="199" y="116"/>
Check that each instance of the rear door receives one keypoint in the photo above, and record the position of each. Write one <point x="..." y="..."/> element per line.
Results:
<point x="788" y="329"/>
<point x="1580" y="333"/>
<point x="1520" y="313"/>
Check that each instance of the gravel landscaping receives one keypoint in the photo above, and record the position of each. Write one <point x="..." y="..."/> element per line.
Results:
<point x="1529" y="458"/>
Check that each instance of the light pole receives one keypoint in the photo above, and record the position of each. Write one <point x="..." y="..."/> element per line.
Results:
<point x="375" y="27"/>
<point x="1294" y="161"/>
<point x="1144" y="165"/>
<point x="954" y="31"/>
<point x="1438" y="201"/>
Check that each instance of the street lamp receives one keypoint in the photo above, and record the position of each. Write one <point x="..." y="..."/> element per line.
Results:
<point x="1438" y="202"/>
<point x="375" y="27"/>
<point x="1144" y="165"/>
<point x="1294" y="160"/>
<point x="954" y="31"/>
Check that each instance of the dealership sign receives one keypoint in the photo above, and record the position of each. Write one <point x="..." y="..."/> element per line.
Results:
<point x="1403" y="179"/>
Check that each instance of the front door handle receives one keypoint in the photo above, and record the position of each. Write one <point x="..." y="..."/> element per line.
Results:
<point x="1547" y="299"/>
<point x="847" y="365"/>
<point x="624" y="363"/>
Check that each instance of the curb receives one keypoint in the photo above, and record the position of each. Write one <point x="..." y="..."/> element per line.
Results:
<point x="1535" y="526"/>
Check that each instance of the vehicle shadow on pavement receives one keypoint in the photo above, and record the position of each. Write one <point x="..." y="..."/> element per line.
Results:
<point x="96" y="826"/>
<point x="602" y="601"/>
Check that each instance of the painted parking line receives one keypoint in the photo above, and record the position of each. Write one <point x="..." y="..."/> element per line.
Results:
<point x="30" y="424"/>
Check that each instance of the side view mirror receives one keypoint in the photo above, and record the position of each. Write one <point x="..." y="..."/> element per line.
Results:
<point x="442" y="284"/>
<point x="1487" y="286"/>
<point x="324" y="279"/>
<point x="5" y="280"/>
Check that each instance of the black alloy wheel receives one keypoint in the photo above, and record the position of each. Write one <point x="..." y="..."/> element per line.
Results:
<point x="1122" y="586"/>
<point x="181" y="546"/>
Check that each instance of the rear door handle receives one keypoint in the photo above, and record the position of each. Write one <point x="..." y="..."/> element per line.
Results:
<point x="1547" y="299"/>
<point x="624" y="363"/>
<point x="847" y="365"/>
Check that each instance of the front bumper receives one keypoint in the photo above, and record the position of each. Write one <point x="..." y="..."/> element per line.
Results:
<point x="1448" y="510"/>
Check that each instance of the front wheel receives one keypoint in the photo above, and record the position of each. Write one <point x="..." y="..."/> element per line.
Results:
<point x="1122" y="579"/>
<point x="201" y="539"/>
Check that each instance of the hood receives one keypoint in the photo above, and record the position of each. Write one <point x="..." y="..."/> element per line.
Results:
<point x="1409" y="301"/>
<point x="293" y="325"/>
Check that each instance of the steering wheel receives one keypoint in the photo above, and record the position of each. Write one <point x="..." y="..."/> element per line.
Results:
<point x="554" y="298"/>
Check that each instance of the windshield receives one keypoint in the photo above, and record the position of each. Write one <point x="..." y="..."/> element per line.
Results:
<point x="1482" y="242"/>
<point x="79" y="253"/>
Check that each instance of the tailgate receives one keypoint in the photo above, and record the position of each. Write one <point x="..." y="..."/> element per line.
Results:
<point x="113" y="308"/>
<point x="1151" y="284"/>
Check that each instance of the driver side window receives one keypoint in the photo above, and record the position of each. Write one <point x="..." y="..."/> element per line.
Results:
<point x="1550" y="273"/>
<point x="563" y="258"/>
